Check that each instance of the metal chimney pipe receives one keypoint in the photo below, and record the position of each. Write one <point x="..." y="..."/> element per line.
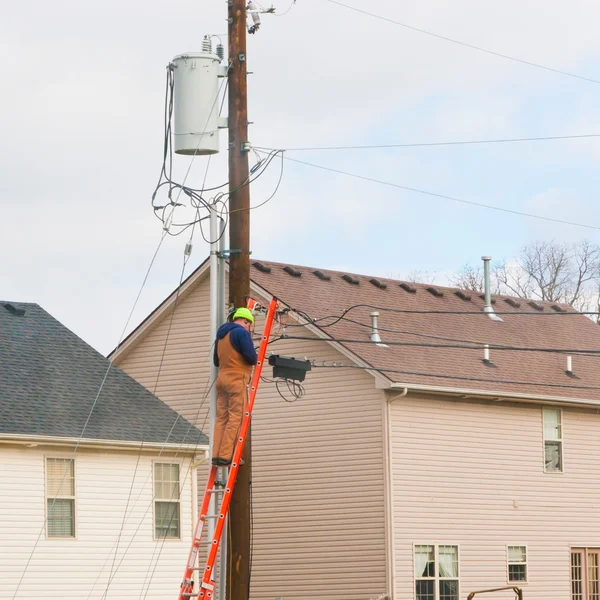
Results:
<point x="569" y="365"/>
<point x="488" y="308"/>
<point x="375" y="337"/>
<point x="486" y="353"/>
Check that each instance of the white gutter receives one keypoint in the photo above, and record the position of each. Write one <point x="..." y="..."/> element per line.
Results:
<point x="497" y="395"/>
<point x="39" y="440"/>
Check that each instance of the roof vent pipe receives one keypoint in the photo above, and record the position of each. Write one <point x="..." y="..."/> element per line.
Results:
<point x="375" y="337"/>
<point x="488" y="308"/>
<point x="569" y="365"/>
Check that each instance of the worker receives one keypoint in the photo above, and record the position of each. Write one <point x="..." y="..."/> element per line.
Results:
<point x="235" y="356"/>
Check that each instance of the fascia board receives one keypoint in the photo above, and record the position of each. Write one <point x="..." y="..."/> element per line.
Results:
<point x="41" y="440"/>
<point x="496" y="394"/>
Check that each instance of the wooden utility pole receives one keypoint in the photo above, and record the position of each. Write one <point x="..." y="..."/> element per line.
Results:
<point x="238" y="550"/>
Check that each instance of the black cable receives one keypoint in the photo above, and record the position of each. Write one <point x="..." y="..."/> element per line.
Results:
<point x="458" y="377"/>
<point x="449" y="312"/>
<point x="405" y="332"/>
<point x="435" y="144"/>
<point x="482" y="346"/>
<point x="466" y="45"/>
<point x="443" y="196"/>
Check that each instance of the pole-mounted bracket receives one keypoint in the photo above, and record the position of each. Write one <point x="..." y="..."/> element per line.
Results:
<point x="228" y="253"/>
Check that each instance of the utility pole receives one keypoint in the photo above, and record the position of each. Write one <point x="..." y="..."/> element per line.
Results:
<point x="238" y="551"/>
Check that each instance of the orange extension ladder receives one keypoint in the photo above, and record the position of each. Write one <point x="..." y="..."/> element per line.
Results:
<point x="207" y="582"/>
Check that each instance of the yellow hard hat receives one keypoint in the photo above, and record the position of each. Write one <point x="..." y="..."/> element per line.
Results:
<point x="243" y="313"/>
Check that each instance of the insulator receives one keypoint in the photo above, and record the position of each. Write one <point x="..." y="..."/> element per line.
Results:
<point x="220" y="51"/>
<point x="206" y="45"/>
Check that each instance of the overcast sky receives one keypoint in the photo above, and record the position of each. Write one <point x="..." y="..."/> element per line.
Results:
<point x="82" y="128"/>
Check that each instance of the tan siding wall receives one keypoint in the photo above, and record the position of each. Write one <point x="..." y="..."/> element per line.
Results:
<point x="80" y="568"/>
<point x="318" y="471"/>
<point x="472" y="474"/>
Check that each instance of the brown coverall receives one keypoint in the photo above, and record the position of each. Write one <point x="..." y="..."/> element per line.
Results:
<point x="232" y="396"/>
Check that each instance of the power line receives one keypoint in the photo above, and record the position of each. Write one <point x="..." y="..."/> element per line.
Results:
<point x="92" y="408"/>
<point x="444" y="312"/>
<point x="482" y="346"/>
<point x="465" y="44"/>
<point x="369" y="326"/>
<point x="454" y="377"/>
<point x="444" y="196"/>
<point x="435" y="144"/>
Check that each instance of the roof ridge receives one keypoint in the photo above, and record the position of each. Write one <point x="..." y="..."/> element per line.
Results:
<point x="422" y="285"/>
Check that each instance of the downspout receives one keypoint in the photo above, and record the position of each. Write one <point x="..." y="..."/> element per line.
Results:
<point x="389" y="498"/>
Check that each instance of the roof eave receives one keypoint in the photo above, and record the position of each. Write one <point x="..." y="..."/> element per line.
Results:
<point x="150" y="447"/>
<point x="497" y="395"/>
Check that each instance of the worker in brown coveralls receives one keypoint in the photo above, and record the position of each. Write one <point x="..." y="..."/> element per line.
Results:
<point x="235" y="356"/>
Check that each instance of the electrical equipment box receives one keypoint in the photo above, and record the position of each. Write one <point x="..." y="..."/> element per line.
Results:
<point x="196" y="103"/>
<point x="289" y="368"/>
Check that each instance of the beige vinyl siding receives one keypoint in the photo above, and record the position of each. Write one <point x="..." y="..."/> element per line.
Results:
<point x="79" y="568"/>
<point x="318" y="463"/>
<point x="472" y="474"/>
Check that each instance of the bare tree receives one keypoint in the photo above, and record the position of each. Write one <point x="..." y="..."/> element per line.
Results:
<point x="421" y="277"/>
<point x="468" y="278"/>
<point x="550" y="271"/>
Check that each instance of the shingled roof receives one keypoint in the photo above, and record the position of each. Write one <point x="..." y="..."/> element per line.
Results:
<point x="49" y="380"/>
<point x="322" y="292"/>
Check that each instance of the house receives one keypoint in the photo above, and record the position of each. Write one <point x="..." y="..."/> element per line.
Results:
<point x="97" y="475"/>
<point x="424" y="466"/>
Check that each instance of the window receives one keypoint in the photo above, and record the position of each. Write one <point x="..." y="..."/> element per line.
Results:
<point x="166" y="500"/>
<point x="60" y="497"/>
<point x="436" y="572"/>
<point x="585" y="574"/>
<point x="517" y="563"/>
<point x="552" y="440"/>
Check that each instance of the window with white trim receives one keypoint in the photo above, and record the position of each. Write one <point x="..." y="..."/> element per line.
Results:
<point x="517" y="563"/>
<point x="166" y="501"/>
<point x="60" y="497"/>
<point x="436" y="572"/>
<point x="553" y="450"/>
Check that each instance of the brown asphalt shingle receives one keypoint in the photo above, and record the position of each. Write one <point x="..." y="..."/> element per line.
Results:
<point x="320" y="297"/>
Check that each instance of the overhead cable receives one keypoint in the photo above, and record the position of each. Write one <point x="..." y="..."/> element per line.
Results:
<point x="465" y="44"/>
<point x="434" y="144"/>
<point x="446" y="312"/>
<point x="478" y="346"/>
<point x="315" y="364"/>
<point x="444" y="196"/>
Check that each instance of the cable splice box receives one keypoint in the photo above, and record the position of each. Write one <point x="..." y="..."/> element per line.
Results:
<point x="288" y="367"/>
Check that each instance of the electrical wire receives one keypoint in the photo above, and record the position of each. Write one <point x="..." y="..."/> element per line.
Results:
<point x="455" y="377"/>
<point x="465" y="44"/>
<point x="92" y="408"/>
<point x="412" y="333"/>
<point x="446" y="312"/>
<point x="444" y="196"/>
<point x="436" y="144"/>
<point x="491" y="346"/>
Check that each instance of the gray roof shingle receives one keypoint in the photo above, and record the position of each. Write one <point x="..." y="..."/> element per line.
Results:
<point x="49" y="380"/>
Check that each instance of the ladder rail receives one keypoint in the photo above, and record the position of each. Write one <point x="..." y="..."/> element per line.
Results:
<point x="207" y="585"/>
<point x="237" y="454"/>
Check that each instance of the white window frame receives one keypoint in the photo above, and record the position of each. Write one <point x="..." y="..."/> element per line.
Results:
<point x="560" y="440"/>
<point x="437" y="578"/>
<point x="509" y="562"/>
<point x="60" y="496"/>
<point x="155" y="500"/>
